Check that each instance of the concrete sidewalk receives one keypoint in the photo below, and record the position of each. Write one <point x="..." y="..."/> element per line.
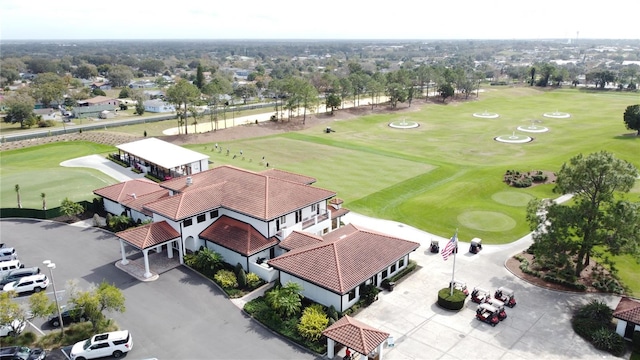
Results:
<point x="103" y="164"/>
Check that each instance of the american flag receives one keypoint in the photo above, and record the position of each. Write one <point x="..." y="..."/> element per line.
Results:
<point x="450" y="247"/>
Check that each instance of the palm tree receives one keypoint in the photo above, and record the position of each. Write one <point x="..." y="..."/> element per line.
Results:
<point x="18" y="195"/>
<point x="44" y="201"/>
<point x="286" y="300"/>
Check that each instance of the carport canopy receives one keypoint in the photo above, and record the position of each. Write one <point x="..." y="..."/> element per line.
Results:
<point x="355" y="335"/>
<point x="148" y="236"/>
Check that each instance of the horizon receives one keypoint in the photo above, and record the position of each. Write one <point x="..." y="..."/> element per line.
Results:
<point x="64" y="20"/>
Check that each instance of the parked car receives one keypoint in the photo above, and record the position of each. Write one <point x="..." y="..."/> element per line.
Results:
<point x="68" y="316"/>
<point x="17" y="274"/>
<point x="114" y="344"/>
<point x="8" y="253"/>
<point x="16" y="326"/>
<point x="21" y="353"/>
<point x="8" y="266"/>
<point x="33" y="283"/>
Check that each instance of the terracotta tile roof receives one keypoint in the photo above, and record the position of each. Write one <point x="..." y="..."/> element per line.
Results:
<point x="146" y="236"/>
<point x="257" y="195"/>
<point x="139" y="202"/>
<point x="356" y="335"/>
<point x="188" y="204"/>
<point x="340" y="212"/>
<point x="285" y="175"/>
<point x="628" y="310"/>
<point x="299" y="239"/>
<point x="346" y="258"/>
<point x="237" y="236"/>
<point x="124" y="191"/>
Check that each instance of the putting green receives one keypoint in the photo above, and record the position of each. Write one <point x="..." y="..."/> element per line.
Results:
<point x="486" y="220"/>
<point x="511" y="198"/>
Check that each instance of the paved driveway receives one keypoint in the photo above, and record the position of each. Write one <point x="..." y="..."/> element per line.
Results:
<point x="538" y="327"/>
<point x="179" y="316"/>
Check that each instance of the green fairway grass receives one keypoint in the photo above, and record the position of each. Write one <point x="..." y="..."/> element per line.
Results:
<point x="432" y="177"/>
<point x="37" y="170"/>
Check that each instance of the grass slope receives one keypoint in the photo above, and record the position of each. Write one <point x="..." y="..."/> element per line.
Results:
<point x="37" y="170"/>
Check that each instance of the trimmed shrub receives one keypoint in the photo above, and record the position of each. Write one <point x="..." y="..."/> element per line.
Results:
<point x="333" y="313"/>
<point x="253" y="280"/>
<point x="312" y="322"/>
<point x="608" y="340"/>
<point x="241" y="275"/>
<point x="597" y="311"/>
<point x="585" y="327"/>
<point x="369" y="293"/>
<point x="451" y="302"/>
<point x="226" y="279"/>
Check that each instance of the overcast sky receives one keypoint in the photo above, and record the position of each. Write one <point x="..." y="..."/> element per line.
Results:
<point x="322" y="19"/>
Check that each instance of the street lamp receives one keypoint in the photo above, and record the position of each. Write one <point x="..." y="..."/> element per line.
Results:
<point x="52" y="266"/>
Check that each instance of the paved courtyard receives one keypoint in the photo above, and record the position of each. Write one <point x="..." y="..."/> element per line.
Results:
<point x="538" y="327"/>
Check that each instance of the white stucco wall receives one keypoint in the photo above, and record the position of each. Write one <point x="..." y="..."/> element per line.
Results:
<point x="112" y="207"/>
<point x="314" y="292"/>
<point x="622" y="325"/>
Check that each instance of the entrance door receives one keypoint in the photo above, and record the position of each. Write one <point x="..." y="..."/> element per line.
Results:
<point x="628" y="331"/>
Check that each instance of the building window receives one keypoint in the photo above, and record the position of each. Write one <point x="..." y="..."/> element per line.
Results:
<point x="393" y="268"/>
<point x="187" y="222"/>
<point x="202" y="218"/>
<point x="298" y="216"/>
<point x="213" y="214"/>
<point x="384" y="274"/>
<point x="401" y="263"/>
<point x="352" y="294"/>
<point x="314" y="207"/>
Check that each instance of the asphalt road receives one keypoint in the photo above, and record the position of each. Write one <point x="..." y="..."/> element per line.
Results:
<point x="179" y="316"/>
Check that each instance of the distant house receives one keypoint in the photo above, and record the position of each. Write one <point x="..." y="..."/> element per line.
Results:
<point x="142" y="85"/>
<point x="47" y="114"/>
<point x="100" y="85"/>
<point x="158" y="106"/>
<point x="100" y="100"/>
<point x="154" y="94"/>
<point x="628" y="314"/>
<point x="81" y="112"/>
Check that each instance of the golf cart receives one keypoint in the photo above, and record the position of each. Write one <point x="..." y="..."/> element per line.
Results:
<point x="435" y="246"/>
<point x="459" y="285"/>
<point x="487" y="313"/>
<point x="506" y="296"/>
<point x="498" y="305"/>
<point x="476" y="245"/>
<point x="480" y="295"/>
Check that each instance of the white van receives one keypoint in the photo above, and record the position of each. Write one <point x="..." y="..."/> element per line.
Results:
<point x="7" y="266"/>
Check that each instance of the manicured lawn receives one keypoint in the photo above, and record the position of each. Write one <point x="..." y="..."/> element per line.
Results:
<point x="447" y="173"/>
<point x="38" y="170"/>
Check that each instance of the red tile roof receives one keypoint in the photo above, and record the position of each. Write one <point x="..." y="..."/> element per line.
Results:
<point x="338" y="213"/>
<point x="299" y="239"/>
<point x="139" y="202"/>
<point x="356" y="335"/>
<point x="628" y="310"/>
<point x="237" y="236"/>
<point x="285" y="175"/>
<point x="124" y="191"/>
<point x="346" y="258"/>
<point x="256" y="195"/>
<point x="149" y="235"/>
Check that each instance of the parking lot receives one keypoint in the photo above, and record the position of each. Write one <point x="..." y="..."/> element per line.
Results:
<point x="179" y="316"/>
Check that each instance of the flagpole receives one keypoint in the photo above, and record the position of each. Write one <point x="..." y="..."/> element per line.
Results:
<point x="453" y="273"/>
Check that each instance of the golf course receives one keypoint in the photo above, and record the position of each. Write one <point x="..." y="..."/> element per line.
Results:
<point x="445" y="174"/>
